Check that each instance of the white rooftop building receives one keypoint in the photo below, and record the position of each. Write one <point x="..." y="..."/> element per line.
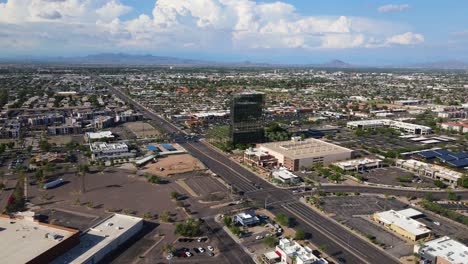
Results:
<point x="101" y="239"/>
<point x="443" y="250"/>
<point x="109" y="151"/>
<point x="398" y="125"/>
<point x="285" y="176"/>
<point x="25" y="240"/>
<point x="289" y="250"/>
<point x="357" y="164"/>
<point x="402" y="222"/>
<point x="99" y="135"/>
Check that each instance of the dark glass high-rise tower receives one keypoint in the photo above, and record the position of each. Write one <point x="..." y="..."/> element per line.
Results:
<point x="247" y="120"/>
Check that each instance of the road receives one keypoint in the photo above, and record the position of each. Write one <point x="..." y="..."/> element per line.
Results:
<point x="341" y="244"/>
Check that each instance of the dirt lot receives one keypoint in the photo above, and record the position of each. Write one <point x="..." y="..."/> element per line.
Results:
<point x="142" y="129"/>
<point x="62" y="140"/>
<point x="174" y="164"/>
<point x="114" y="190"/>
<point x="389" y="176"/>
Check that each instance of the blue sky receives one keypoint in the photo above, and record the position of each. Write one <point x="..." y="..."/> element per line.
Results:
<point x="287" y="31"/>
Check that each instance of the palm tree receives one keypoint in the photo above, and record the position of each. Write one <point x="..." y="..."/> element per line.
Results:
<point x="83" y="169"/>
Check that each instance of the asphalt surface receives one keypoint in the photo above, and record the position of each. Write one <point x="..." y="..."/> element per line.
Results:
<point x="341" y="244"/>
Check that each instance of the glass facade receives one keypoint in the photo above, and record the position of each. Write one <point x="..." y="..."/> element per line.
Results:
<point x="247" y="120"/>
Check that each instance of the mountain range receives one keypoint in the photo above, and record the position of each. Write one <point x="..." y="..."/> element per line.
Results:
<point x="130" y="59"/>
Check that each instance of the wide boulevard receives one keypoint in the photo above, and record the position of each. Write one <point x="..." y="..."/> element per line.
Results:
<point x="340" y="243"/>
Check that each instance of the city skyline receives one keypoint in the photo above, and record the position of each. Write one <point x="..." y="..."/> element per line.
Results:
<point x="288" y="31"/>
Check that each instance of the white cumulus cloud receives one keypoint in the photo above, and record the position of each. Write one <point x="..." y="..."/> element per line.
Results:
<point x="407" y="38"/>
<point x="189" y="24"/>
<point x="393" y="8"/>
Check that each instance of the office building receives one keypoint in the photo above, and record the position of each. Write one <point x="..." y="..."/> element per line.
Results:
<point x="247" y="120"/>
<point x="101" y="239"/>
<point x="298" y="153"/>
<point x="398" y="125"/>
<point x="25" y="240"/>
<point x="443" y="250"/>
<point x="402" y="223"/>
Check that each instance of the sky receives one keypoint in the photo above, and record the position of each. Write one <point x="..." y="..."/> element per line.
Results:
<point x="366" y="32"/>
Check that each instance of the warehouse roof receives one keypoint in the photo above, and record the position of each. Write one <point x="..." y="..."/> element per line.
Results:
<point x="404" y="222"/>
<point x="98" y="237"/>
<point x="299" y="149"/>
<point x="23" y="238"/>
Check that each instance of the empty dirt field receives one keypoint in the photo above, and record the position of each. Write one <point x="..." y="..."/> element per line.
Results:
<point x="174" y="164"/>
<point x="142" y="129"/>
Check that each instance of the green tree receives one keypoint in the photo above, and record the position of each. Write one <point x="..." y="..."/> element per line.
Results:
<point x="282" y="219"/>
<point x="269" y="241"/>
<point x="300" y="235"/>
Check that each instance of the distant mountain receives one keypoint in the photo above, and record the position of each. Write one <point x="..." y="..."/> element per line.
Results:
<point x="440" y="65"/>
<point x="337" y="64"/>
<point x="131" y="59"/>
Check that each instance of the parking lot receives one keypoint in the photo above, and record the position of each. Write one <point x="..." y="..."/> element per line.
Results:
<point x="355" y="212"/>
<point x="390" y="176"/>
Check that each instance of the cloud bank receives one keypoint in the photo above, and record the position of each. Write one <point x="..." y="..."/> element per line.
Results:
<point x="189" y="25"/>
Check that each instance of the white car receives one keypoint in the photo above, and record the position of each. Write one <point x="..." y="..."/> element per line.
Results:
<point x="210" y="248"/>
<point x="437" y="223"/>
<point x="188" y="254"/>
<point x="259" y="237"/>
<point x="169" y="257"/>
<point x="201" y="249"/>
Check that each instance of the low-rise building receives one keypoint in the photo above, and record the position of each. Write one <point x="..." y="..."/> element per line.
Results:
<point x="398" y="125"/>
<point x="293" y="252"/>
<point x="285" y="176"/>
<point x="110" y="151"/>
<point x="66" y="129"/>
<point x="358" y="164"/>
<point x="402" y="223"/>
<point x="459" y="127"/>
<point x="101" y="239"/>
<point x="443" y="250"/>
<point x="432" y="171"/>
<point x="99" y="136"/>
<point x="255" y="156"/>
<point x="248" y="218"/>
<point x="298" y="153"/>
<point x="25" y="240"/>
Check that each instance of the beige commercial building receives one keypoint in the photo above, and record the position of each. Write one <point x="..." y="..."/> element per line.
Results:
<point x="297" y="153"/>
<point x="402" y="223"/>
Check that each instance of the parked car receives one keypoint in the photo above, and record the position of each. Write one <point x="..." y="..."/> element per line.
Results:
<point x="210" y="248"/>
<point x="201" y="249"/>
<point x="258" y="237"/>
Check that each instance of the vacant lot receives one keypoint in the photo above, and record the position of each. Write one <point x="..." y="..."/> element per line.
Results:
<point x="142" y="129"/>
<point x="114" y="190"/>
<point x="174" y="164"/>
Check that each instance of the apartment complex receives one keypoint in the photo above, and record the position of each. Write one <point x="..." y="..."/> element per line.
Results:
<point x="402" y="223"/>
<point x="398" y="125"/>
<point x="298" y="153"/>
<point x="432" y="171"/>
